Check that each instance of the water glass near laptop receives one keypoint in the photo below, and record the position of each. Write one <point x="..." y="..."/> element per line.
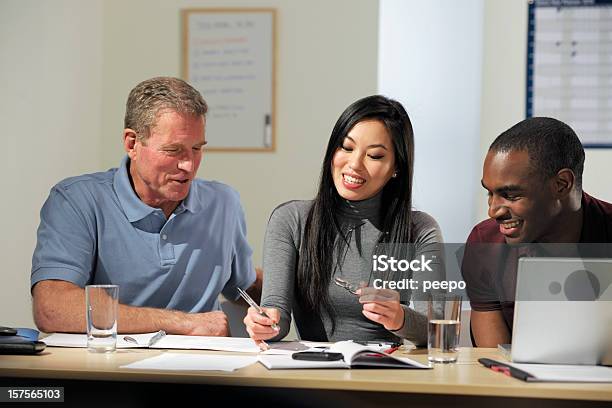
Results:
<point x="101" y="305"/>
<point x="444" y="327"/>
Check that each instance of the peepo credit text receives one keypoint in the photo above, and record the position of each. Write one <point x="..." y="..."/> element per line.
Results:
<point x="385" y="263"/>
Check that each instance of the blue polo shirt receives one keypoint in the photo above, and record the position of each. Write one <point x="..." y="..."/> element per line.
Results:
<point x="95" y="230"/>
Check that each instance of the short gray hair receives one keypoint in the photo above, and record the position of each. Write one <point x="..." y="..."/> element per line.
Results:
<point x="150" y="97"/>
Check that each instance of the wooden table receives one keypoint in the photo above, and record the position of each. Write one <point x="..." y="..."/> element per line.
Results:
<point x="465" y="383"/>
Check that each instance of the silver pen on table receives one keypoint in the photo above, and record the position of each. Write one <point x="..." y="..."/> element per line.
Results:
<point x="157" y="337"/>
<point x="252" y="303"/>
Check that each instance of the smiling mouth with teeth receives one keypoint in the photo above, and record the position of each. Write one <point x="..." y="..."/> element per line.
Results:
<point x="509" y="225"/>
<point x="353" y="180"/>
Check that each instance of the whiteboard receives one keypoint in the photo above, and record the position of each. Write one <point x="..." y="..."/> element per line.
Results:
<point x="229" y="56"/>
<point x="569" y="66"/>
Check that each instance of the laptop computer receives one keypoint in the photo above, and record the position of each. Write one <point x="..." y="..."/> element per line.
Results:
<point x="563" y="311"/>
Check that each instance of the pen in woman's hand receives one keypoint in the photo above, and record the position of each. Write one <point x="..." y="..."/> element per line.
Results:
<point x="254" y="305"/>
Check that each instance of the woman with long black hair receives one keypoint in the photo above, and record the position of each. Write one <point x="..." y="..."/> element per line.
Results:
<point x="318" y="254"/>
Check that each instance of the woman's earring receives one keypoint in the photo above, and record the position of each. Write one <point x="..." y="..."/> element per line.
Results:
<point x="394" y="174"/>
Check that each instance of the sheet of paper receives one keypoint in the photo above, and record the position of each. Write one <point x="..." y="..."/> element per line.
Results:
<point x="142" y="340"/>
<point x="413" y="363"/>
<point x="172" y="341"/>
<point x="240" y="344"/>
<point x="66" y="340"/>
<point x="192" y="362"/>
<point x="566" y="373"/>
<point x="286" y="347"/>
<point x="80" y="340"/>
<point x="286" y="351"/>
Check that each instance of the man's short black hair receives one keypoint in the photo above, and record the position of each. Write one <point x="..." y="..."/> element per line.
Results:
<point x="551" y="144"/>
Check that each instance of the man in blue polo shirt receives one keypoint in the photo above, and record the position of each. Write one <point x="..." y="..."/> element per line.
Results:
<point x="171" y="242"/>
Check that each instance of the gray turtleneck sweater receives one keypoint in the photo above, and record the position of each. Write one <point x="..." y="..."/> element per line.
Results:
<point x="282" y="244"/>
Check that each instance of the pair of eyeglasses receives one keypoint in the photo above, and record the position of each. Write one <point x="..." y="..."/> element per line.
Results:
<point x="346" y="285"/>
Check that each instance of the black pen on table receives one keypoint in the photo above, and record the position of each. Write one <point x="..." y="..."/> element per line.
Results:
<point x="259" y="310"/>
<point x="505" y="369"/>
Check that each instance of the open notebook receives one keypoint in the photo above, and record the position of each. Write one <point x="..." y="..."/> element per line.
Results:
<point x="354" y="355"/>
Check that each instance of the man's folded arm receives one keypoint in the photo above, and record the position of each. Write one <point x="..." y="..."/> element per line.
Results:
<point x="489" y="328"/>
<point x="255" y="289"/>
<point x="59" y="306"/>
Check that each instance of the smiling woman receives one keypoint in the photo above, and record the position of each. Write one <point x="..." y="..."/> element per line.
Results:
<point x="365" y="161"/>
<point x="316" y="253"/>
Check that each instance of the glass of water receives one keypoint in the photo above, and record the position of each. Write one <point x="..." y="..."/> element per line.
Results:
<point x="444" y="313"/>
<point x="101" y="303"/>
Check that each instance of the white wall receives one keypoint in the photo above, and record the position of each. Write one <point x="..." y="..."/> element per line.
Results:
<point x="430" y="58"/>
<point x="50" y="115"/>
<point x="503" y="77"/>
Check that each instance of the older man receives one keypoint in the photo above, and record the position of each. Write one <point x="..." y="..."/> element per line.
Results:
<point x="171" y="242"/>
<point x="533" y="176"/>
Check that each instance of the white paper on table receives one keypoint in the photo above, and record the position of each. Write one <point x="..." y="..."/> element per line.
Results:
<point x="80" y="340"/>
<point x="240" y="344"/>
<point x="290" y="347"/>
<point x="170" y="341"/>
<point x="316" y="344"/>
<point x="285" y="352"/>
<point x="66" y="340"/>
<point x="566" y="373"/>
<point x="192" y="362"/>
<point x="286" y="347"/>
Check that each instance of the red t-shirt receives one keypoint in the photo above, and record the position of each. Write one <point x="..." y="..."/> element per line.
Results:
<point x="489" y="264"/>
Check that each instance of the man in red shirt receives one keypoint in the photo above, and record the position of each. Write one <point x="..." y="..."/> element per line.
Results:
<point x="533" y="175"/>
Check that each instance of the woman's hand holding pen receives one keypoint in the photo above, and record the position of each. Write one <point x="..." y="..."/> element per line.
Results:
<point x="260" y="327"/>
<point x="382" y="306"/>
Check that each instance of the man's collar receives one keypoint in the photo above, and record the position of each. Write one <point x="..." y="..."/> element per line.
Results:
<point x="593" y="221"/>
<point x="133" y="206"/>
<point x="191" y="203"/>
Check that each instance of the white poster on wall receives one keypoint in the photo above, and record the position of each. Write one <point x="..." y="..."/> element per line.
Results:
<point x="228" y="55"/>
<point x="569" y="66"/>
